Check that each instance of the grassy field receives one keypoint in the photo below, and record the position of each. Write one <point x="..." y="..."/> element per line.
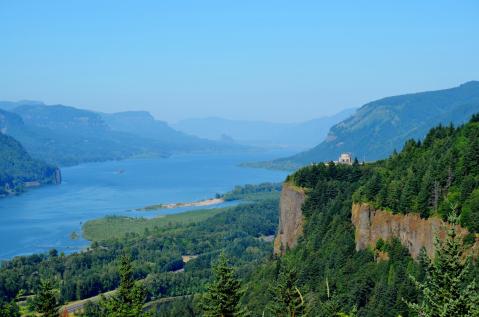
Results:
<point x="115" y="226"/>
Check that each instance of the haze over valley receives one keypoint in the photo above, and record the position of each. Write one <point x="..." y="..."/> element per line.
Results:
<point x="245" y="158"/>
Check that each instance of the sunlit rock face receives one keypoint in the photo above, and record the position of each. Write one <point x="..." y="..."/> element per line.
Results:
<point x="290" y="218"/>
<point x="414" y="232"/>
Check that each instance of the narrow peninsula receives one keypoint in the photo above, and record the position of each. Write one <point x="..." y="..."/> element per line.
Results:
<point x="199" y="203"/>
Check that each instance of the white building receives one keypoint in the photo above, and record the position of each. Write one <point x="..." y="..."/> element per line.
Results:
<point x="345" y="158"/>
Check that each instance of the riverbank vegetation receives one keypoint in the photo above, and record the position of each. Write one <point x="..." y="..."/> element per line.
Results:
<point x="156" y="251"/>
<point x="113" y="227"/>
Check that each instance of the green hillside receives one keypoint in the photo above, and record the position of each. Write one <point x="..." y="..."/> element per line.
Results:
<point x="431" y="176"/>
<point x="381" y="126"/>
<point x="428" y="177"/>
<point x="19" y="170"/>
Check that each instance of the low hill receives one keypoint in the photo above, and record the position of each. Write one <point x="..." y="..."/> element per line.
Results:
<point x="381" y="126"/>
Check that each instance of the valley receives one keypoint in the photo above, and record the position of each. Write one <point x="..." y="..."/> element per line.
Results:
<point x="239" y="158"/>
<point x="44" y="218"/>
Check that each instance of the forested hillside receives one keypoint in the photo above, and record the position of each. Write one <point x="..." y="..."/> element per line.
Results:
<point x="431" y="176"/>
<point x="436" y="177"/>
<point x="19" y="170"/>
<point x="381" y="126"/>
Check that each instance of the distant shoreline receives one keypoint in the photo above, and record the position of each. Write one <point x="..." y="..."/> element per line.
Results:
<point x="199" y="203"/>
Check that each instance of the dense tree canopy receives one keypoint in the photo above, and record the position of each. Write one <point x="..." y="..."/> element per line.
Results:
<point x="431" y="176"/>
<point x="156" y="256"/>
<point x="223" y="294"/>
<point x="426" y="177"/>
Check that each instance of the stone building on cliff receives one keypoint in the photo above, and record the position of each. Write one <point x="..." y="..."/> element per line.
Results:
<point x="345" y="158"/>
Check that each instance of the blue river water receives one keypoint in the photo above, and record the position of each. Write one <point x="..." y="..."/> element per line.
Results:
<point x="45" y="217"/>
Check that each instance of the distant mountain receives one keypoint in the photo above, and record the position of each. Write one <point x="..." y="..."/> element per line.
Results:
<point x="18" y="170"/>
<point x="381" y="126"/>
<point x="10" y="105"/>
<point x="65" y="135"/>
<point x="143" y="124"/>
<point x="259" y="133"/>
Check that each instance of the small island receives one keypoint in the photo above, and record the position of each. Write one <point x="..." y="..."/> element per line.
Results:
<point x="200" y="203"/>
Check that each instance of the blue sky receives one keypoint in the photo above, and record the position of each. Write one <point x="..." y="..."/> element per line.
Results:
<point x="250" y="59"/>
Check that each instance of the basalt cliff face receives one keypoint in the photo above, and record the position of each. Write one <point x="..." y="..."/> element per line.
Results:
<point x="370" y="224"/>
<point x="290" y="218"/>
<point x="414" y="233"/>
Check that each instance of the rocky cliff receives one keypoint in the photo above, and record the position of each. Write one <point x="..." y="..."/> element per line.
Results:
<point x="370" y="224"/>
<point x="290" y="218"/>
<point x="413" y="232"/>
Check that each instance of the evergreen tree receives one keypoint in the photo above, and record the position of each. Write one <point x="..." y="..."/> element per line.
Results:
<point x="287" y="299"/>
<point x="9" y="309"/>
<point x="223" y="294"/>
<point x="45" y="301"/>
<point x="445" y="290"/>
<point x="353" y="313"/>
<point x="129" y="298"/>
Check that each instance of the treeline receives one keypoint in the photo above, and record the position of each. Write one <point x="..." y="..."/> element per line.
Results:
<point x="252" y="192"/>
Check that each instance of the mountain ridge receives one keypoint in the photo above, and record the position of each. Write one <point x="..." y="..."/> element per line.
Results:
<point x="382" y="126"/>
<point x="65" y="135"/>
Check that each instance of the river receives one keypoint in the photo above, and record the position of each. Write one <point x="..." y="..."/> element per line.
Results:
<point x="45" y="217"/>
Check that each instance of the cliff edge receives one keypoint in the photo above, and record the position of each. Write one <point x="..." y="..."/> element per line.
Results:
<point x="414" y="232"/>
<point x="370" y="224"/>
<point x="290" y="218"/>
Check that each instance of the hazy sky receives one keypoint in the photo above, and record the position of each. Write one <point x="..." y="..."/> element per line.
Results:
<point x="247" y="59"/>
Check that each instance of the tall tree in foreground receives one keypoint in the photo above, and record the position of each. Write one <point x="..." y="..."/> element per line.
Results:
<point x="129" y="298"/>
<point x="224" y="293"/>
<point x="45" y="301"/>
<point x="446" y="290"/>
<point x="287" y="300"/>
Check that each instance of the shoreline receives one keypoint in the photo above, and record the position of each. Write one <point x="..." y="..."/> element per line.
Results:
<point x="199" y="203"/>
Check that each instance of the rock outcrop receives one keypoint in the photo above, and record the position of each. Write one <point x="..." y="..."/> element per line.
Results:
<point x="413" y="232"/>
<point x="290" y="218"/>
<point x="370" y="224"/>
